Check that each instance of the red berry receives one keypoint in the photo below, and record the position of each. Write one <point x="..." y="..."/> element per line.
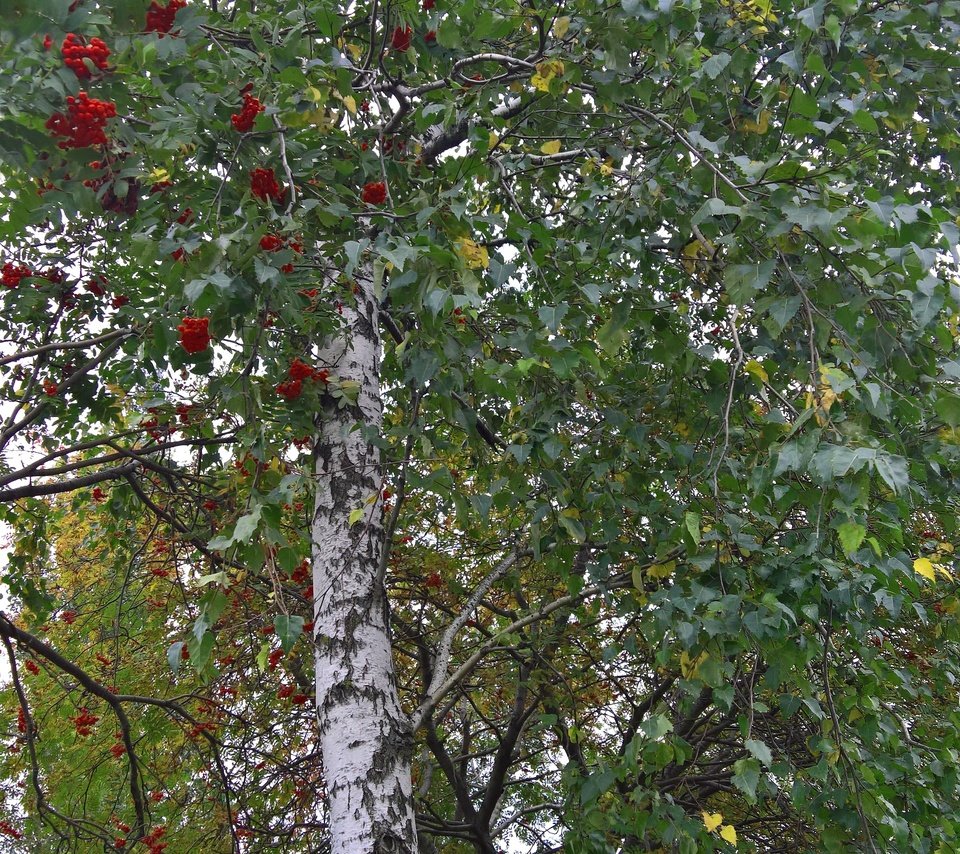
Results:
<point x="194" y="336"/>
<point x="374" y="193"/>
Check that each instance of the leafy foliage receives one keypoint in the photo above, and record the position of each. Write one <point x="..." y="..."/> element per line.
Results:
<point x="669" y="370"/>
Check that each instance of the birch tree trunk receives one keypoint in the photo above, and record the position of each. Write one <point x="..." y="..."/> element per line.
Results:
<point x="365" y="738"/>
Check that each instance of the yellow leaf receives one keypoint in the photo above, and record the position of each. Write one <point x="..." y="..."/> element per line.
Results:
<point x="492" y="140"/>
<point x="350" y="103"/>
<point x="159" y="174"/>
<point x="760" y="125"/>
<point x="551" y="147"/>
<point x="355" y="516"/>
<point x="728" y="833"/>
<point x="560" y="27"/>
<point x="924" y="567"/>
<point x="606" y="168"/>
<point x="474" y="256"/>
<point x="712" y="822"/>
<point x="690" y="667"/>
<point x="546" y="71"/>
<point x="755" y="369"/>
<point x="662" y="570"/>
<point x="354" y="50"/>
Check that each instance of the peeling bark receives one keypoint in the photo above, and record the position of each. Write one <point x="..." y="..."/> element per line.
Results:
<point x="365" y="738"/>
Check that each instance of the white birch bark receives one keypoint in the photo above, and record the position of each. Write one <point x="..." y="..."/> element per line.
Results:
<point x="365" y="738"/>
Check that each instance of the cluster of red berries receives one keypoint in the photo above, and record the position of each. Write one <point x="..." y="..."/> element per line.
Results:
<point x="272" y="243"/>
<point x="84" y="722"/>
<point x="400" y="40"/>
<point x="263" y="184"/>
<point x="298" y="372"/>
<point x="8" y="829"/>
<point x="275" y="242"/>
<point x="301" y="573"/>
<point x="96" y="285"/>
<point x="194" y="336"/>
<point x="160" y="18"/>
<point x="274" y="658"/>
<point x="31" y="666"/>
<point x="75" y="52"/>
<point x="152" y="841"/>
<point x="374" y="193"/>
<point x="243" y="121"/>
<point x="117" y="750"/>
<point x="11" y="274"/>
<point x="69" y="617"/>
<point x="84" y="122"/>
<point x="50" y="388"/>
<point x="430" y="37"/>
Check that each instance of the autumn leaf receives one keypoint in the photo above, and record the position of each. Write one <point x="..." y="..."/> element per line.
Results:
<point x="546" y="71"/>
<point x="473" y="254"/>
<point x="728" y="833"/>
<point x="712" y="820"/>
<point x="756" y="370"/>
<point x="551" y="147"/>
<point x="923" y="566"/>
<point x="759" y="126"/>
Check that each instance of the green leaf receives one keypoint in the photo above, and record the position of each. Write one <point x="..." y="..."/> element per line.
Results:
<point x="746" y="776"/>
<point x="288" y="629"/>
<point x="691" y="527"/>
<point x="573" y="528"/>
<point x="947" y="406"/>
<point x="247" y="525"/>
<point x="744" y="281"/>
<point x="759" y="750"/>
<point x="613" y="335"/>
<point x="175" y="656"/>
<point x="851" y="535"/>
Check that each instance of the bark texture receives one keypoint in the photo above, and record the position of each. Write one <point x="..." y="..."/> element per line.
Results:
<point x="365" y="738"/>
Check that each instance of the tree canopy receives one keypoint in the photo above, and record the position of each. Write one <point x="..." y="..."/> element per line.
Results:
<point x="497" y="426"/>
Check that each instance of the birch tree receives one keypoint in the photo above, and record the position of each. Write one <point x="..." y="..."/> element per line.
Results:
<point x="499" y="426"/>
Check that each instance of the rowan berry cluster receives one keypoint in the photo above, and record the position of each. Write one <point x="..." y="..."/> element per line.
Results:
<point x="152" y="841"/>
<point x="263" y="184"/>
<point x="96" y="285"/>
<point x="84" y="722"/>
<point x="160" y="18"/>
<point x="275" y="242"/>
<point x="374" y="193"/>
<point x="11" y="274"/>
<point x="75" y="52"/>
<point x="298" y="372"/>
<point x="271" y="243"/>
<point x="83" y="124"/>
<point x="243" y="121"/>
<point x="400" y="40"/>
<point x="194" y="336"/>
<point x="8" y="829"/>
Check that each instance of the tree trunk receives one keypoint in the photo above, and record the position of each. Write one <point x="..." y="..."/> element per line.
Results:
<point x="365" y="738"/>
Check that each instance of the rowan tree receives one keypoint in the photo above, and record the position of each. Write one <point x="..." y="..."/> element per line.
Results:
<point x="459" y="426"/>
